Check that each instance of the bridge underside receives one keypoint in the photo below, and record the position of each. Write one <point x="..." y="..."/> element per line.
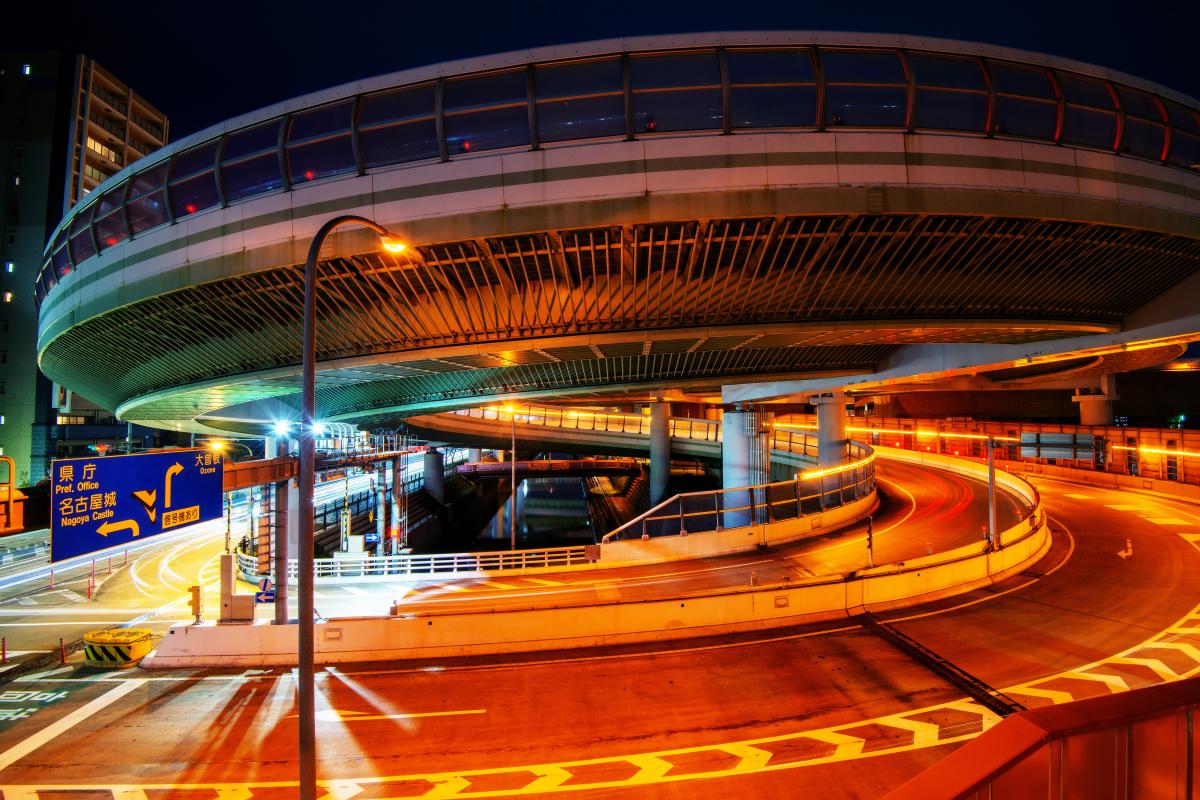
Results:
<point x="697" y="304"/>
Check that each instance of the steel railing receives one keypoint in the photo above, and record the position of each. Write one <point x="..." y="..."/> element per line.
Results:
<point x="811" y="492"/>
<point x="400" y="566"/>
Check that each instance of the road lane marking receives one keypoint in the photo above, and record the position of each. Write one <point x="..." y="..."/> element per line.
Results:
<point x="1167" y="520"/>
<point x="54" y="729"/>
<point x="336" y="715"/>
<point x="544" y="582"/>
<point x="909" y="731"/>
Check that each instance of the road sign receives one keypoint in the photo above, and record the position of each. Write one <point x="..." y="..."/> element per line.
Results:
<point x="105" y="501"/>
<point x="266" y="591"/>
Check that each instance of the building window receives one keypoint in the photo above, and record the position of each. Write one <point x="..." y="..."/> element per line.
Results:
<point x="1" y="419"/>
<point x="8" y="297"/>
<point x="71" y="420"/>
<point x="16" y="180"/>
<point x="103" y="150"/>
<point x="8" y="266"/>
<point x="26" y="69"/>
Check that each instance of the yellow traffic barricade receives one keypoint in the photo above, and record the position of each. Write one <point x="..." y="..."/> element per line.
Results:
<point x="115" y="649"/>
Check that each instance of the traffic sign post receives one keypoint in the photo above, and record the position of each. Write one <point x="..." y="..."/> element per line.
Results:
<point x="100" y="502"/>
<point x="266" y="592"/>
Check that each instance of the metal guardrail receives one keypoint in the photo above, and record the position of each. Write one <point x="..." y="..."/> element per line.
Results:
<point x="809" y="493"/>
<point x="400" y="566"/>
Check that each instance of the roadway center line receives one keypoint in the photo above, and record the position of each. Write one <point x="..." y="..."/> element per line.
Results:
<point x="24" y="748"/>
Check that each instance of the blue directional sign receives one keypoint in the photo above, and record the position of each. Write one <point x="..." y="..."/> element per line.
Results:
<point x="266" y="592"/>
<point x="107" y="501"/>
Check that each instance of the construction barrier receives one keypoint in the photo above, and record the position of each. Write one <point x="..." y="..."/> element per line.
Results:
<point x="115" y="649"/>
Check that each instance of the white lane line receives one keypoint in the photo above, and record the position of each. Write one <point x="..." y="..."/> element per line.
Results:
<point x="24" y="748"/>
<point x="356" y="590"/>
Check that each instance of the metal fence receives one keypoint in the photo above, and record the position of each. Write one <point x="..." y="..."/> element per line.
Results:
<point x="401" y="566"/>
<point x="810" y="492"/>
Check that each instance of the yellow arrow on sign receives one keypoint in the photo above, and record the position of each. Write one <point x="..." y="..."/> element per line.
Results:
<point x="122" y="525"/>
<point x="172" y="471"/>
<point x="146" y="498"/>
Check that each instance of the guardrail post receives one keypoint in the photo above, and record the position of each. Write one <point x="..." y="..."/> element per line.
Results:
<point x="717" y="509"/>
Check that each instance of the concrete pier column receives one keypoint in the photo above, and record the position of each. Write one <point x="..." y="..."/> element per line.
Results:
<point x="745" y="461"/>
<point x="474" y="455"/>
<point x="286" y="527"/>
<point x="660" y="451"/>
<point x="831" y="429"/>
<point x="1096" y="405"/>
<point x="435" y="476"/>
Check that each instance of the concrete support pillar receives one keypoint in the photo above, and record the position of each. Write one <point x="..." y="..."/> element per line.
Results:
<point x="1096" y="405"/>
<point x="745" y="461"/>
<point x="285" y="532"/>
<point x="474" y="455"/>
<point x="832" y="439"/>
<point x="660" y="451"/>
<point x="435" y="476"/>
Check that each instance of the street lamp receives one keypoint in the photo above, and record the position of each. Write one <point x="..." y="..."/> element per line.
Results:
<point x="307" y="704"/>
<point x="512" y="518"/>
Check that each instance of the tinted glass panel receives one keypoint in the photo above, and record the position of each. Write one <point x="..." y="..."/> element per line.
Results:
<point x="955" y="111"/>
<point x="770" y="66"/>
<point x="581" y="119"/>
<point x="39" y="292"/>
<point x="308" y="162"/>
<point x="250" y="177"/>
<point x="1144" y="139"/>
<point x="487" y="130"/>
<point x="61" y="262"/>
<point x="82" y="246"/>
<point x="1138" y="103"/>
<point x="864" y="105"/>
<point x="1077" y="89"/>
<point x="1021" y="80"/>
<point x="148" y="181"/>
<point x="398" y="105"/>
<point x="661" y="72"/>
<point x="489" y="90"/>
<point x="773" y="106"/>
<point x="1185" y="149"/>
<point x="1095" y="128"/>
<point x="194" y="194"/>
<point x="394" y="144"/>
<point x="195" y="160"/>
<point x="110" y="229"/>
<point x="1026" y="118"/>
<point x="958" y="73"/>
<point x="677" y="111"/>
<point x="47" y="278"/>
<point x="1183" y="118"/>
<point x="112" y="200"/>
<point x="253" y="140"/>
<point x="146" y="212"/>
<point x="573" y="80"/>
<point x="851" y="67"/>
<point x="319" y="122"/>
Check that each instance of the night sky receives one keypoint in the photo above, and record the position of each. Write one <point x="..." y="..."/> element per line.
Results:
<point x="204" y="62"/>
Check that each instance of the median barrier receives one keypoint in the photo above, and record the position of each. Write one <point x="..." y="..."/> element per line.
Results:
<point x="115" y="649"/>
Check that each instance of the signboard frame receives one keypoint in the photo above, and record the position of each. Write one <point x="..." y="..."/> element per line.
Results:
<point x="100" y="502"/>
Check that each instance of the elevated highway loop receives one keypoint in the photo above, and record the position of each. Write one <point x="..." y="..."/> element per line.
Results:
<point x="1053" y="209"/>
<point x="830" y="712"/>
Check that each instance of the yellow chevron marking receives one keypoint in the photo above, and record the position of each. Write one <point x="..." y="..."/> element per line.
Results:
<point x="1153" y="664"/>
<point x="1115" y="682"/>
<point x="651" y="768"/>
<point x="551" y="778"/>
<point x="846" y="745"/>
<point x="1053" y="695"/>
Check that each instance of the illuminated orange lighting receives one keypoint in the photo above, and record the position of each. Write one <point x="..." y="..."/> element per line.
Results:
<point x="819" y="473"/>
<point x="1158" y="451"/>
<point x="394" y="245"/>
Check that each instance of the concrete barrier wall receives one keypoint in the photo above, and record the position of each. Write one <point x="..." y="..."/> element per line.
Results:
<point x="1109" y="480"/>
<point x="442" y="635"/>
<point x="627" y="552"/>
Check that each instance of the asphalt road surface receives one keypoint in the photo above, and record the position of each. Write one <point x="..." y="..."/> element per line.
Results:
<point x="833" y="711"/>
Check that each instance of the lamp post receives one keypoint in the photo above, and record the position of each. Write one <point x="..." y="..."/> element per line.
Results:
<point x="307" y="704"/>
